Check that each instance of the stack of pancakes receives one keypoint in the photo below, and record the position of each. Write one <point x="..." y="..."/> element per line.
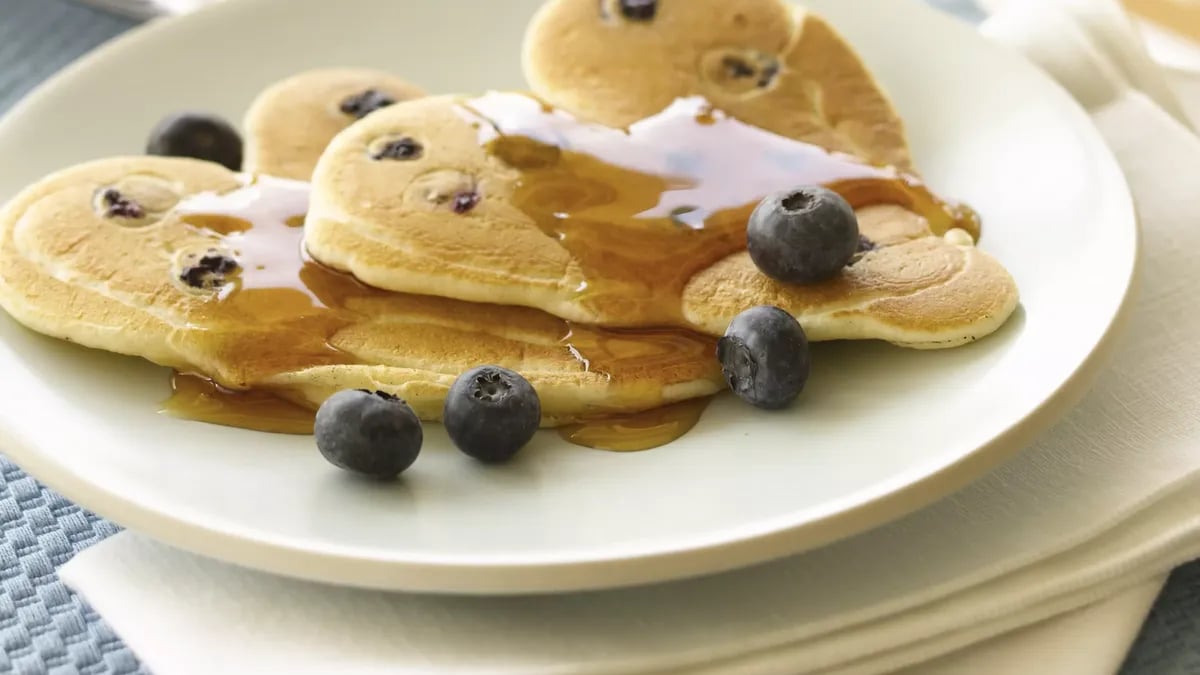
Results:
<point x="441" y="233"/>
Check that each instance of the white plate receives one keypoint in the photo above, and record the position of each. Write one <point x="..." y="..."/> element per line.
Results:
<point x="880" y="431"/>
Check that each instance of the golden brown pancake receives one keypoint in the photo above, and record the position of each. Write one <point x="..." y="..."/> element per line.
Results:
<point x="926" y="293"/>
<point x="289" y="124"/>
<point x="199" y="269"/>
<point x="501" y="198"/>
<point x="454" y="202"/>
<point x="763" y="61"/>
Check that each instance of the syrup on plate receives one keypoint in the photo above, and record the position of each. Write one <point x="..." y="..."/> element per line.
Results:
<point x="288" y="306"/>
<point x="198" y="398"/>
<point x="637" y="431"/>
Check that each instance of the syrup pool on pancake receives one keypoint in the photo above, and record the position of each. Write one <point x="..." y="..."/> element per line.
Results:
<point x="259" y="228"/>
<point x="259" y="225"/>
<point x="642" y="210"/>
<point x="764" y="354"/>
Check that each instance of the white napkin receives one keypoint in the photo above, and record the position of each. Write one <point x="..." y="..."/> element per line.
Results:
<point x="1103" y="503"/>
<point x="1088" y="641"/>
<point x="186" y="615"/>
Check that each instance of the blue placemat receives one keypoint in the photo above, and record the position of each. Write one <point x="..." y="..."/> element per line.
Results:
<point x="45" y="628"/>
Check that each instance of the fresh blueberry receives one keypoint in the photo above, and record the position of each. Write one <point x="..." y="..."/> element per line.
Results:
<point x="764" y="356"/>
<point x="491" y="413"/>
<point x="371" y="433"/>
<point x="802" y="236"/>
<point x="197" y="135"/>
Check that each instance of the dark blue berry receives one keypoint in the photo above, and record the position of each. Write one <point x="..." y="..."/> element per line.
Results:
<point x="197" y="135"/>
<point x="370" y="433"/>
<point x="465" y="201"/>
<point x="491" y="413"/>
<point x="364" y="103"/>
<point x="211" y="270"/>
<point x="639" y="10"/>
<point x="117" y="205"/>
<point x="402" y="149"/>
<point x="802" y="236"/>
<point x="764" y="356"/>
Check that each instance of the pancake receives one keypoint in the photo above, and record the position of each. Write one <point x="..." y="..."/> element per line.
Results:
<point x="919" y="290"/>
<point x="190" y="266"/>
<point x="289" y="123"/>
<point x="763" y="61"/>
<point x="502" y="198"/>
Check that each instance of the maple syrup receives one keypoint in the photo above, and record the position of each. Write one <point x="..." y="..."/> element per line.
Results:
<point x="200" y="399"/>
<point x="634" y="432"/>
<point x="616" y="352"/>
<point x="644" y="209"/>
<point x="281" y="310"/>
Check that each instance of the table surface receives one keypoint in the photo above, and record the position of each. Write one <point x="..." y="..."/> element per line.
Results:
<point x="45" y="628"/>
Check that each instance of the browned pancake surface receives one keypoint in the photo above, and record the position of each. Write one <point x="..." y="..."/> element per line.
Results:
<point x="289" y="124"/>
<point x="73" y="267"/>
<point x="761" y="61"/>
<point x="498" y="199"/>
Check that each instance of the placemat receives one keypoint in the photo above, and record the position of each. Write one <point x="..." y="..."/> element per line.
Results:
<point x="44" y="628"/>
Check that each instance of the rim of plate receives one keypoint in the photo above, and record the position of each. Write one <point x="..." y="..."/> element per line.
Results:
<point x="717" y="551"/>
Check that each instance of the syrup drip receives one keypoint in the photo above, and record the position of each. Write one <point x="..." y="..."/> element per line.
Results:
<point x="644" y="209"/>
<point x="198" y="398"/>
<point x="289" y="311"/>
<point x="637" y="431"/>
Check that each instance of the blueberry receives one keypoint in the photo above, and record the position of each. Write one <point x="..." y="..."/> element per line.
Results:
<point x="639" y="10"/>
<point x="364" y="103"/>
<point x="764" y="356"/>
<point x="402" y="149"/>
<point x="117" y="205"/>
<point x="491" y="413"/>
<point x="803" y="235"/>
<point x="370" y="433"/>
<point x="197" y="135"/>
<point x="465" y="201"/>
<point x="737" y="68"/>
<point x="208" y="271"/>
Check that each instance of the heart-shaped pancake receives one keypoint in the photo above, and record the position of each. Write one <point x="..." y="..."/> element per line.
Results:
<point x="193" y="267"/>
<point x="502" y="198"/>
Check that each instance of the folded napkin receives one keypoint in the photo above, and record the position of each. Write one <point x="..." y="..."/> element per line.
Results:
<point x="1088" y="641"/>
<point x="1100" y="507"/>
